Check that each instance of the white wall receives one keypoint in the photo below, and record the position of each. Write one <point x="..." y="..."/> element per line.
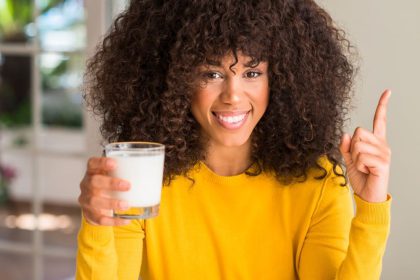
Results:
<point x="387" y="35"/>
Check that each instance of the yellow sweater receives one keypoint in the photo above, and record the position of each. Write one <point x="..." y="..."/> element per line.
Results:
<point x="242" y="227"/>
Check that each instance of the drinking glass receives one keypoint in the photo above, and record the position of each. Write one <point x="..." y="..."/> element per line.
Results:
<point x="140" y="163"/>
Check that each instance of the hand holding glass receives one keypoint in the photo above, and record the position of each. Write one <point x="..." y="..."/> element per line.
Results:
<point x="140" y="163"/>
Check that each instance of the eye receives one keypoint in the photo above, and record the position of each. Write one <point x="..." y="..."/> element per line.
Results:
<point x="212" y="75"/>
<point x="252" y="74"/>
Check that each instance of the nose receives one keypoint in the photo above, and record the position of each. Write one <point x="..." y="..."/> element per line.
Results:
<point x="232" y="91"/>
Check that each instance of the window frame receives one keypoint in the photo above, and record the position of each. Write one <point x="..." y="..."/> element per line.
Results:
<point x="97" y="20"/>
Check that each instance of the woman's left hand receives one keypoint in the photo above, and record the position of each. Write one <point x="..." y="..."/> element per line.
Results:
<point x="368" y="156"/>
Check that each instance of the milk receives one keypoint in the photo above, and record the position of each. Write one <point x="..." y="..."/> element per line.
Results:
<point x="144" y="172"/>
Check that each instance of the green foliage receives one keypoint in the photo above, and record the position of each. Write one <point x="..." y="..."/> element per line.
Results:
<point x="14" y="15"/>
<point x="50" y="77"/>
<point x="67" y="115"/>
<point x="48" y="4"/>
<point x="20" y="117"/>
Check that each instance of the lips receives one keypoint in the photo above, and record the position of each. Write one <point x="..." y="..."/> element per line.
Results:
<point x="231" y="120"/>
<point x="229" y="113"/>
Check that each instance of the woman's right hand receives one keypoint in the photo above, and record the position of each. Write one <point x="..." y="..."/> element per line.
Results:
<point x="94" y="199"/>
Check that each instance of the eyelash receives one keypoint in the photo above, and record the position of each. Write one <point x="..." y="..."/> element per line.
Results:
<point x="207" y="75"/>
<point x="256" y="72"/>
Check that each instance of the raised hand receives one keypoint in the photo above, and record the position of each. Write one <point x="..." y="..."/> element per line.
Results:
<point x="94" y="199"/>
<point x="368" y="156"/>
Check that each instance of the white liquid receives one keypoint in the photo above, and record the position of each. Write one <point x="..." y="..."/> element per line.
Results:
<point x="144" y="172"/>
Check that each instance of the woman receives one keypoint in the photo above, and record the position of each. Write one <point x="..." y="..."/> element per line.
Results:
<point x="249" y="98"/>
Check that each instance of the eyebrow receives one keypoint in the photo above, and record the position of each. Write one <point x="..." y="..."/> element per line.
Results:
<point x="250" y="63"/>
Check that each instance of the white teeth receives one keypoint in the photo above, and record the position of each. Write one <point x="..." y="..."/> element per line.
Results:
<point x="234" y="119"/>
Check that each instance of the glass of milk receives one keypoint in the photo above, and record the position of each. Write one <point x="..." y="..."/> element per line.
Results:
<point x="140" y="163"/>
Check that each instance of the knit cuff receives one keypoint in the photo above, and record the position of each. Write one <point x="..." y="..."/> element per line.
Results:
<point x="97" y="232"/>
<point x="373" y="212"/>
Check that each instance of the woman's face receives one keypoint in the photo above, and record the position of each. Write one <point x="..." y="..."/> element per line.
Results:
<point x="229" y="105"/>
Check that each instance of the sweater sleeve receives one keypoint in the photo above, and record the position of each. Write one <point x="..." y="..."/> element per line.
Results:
<point x="340" y="245"/>
<point x="106" y="252"/>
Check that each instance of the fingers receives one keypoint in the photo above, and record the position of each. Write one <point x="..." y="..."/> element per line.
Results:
<point x="108" y="221"/>
<point x="100" y="165"/>
<point x="103" y="219"/>
<point x="102" y="203"/>
<point x="371" y="164"/>
<point x="345" y="148"/>
<point x="363" y="142"/>
<point x="345" y="143"/>
<point x="365" y="136"/>
<point x="103" y="182"/>
<point x="96" y="186"/>
<point x="378" y="137"/>
<point x="98" y="209"/>
<point x="360" y="148"/>
<point x="361" y="134"/>
<point x="379" y="121"/>
<point x="364" y="148"/>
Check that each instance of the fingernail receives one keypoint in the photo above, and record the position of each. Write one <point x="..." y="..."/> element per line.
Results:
<point x="124" y="185"/>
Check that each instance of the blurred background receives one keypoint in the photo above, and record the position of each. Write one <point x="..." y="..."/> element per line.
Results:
<point x="46" y="135"/>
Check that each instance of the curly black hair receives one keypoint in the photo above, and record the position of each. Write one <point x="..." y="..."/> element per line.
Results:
<point x="142" y="77"/>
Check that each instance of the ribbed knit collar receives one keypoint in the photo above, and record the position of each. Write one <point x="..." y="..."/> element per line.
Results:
<point x="208" y="174"/>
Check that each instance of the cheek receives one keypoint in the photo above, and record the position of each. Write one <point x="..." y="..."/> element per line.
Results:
<point x="261" y="98"/>
<point x="200" y="104"/>
<point x="205" y="97"/>
<point x="265" y="94"/>
<point x="195" y="110"/>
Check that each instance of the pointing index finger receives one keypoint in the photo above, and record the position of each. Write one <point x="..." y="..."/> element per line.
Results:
<point x="379" y="122"/>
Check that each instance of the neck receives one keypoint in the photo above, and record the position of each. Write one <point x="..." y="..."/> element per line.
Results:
<point x="228" y="161"/>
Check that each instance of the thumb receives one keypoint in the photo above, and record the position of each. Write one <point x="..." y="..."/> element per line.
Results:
<point x="345" y="147"/>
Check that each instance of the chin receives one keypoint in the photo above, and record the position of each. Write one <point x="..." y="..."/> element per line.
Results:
<point x="233" y="141"/>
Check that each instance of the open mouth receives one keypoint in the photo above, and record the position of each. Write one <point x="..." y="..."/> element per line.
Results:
<point x="231" y="121"/>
